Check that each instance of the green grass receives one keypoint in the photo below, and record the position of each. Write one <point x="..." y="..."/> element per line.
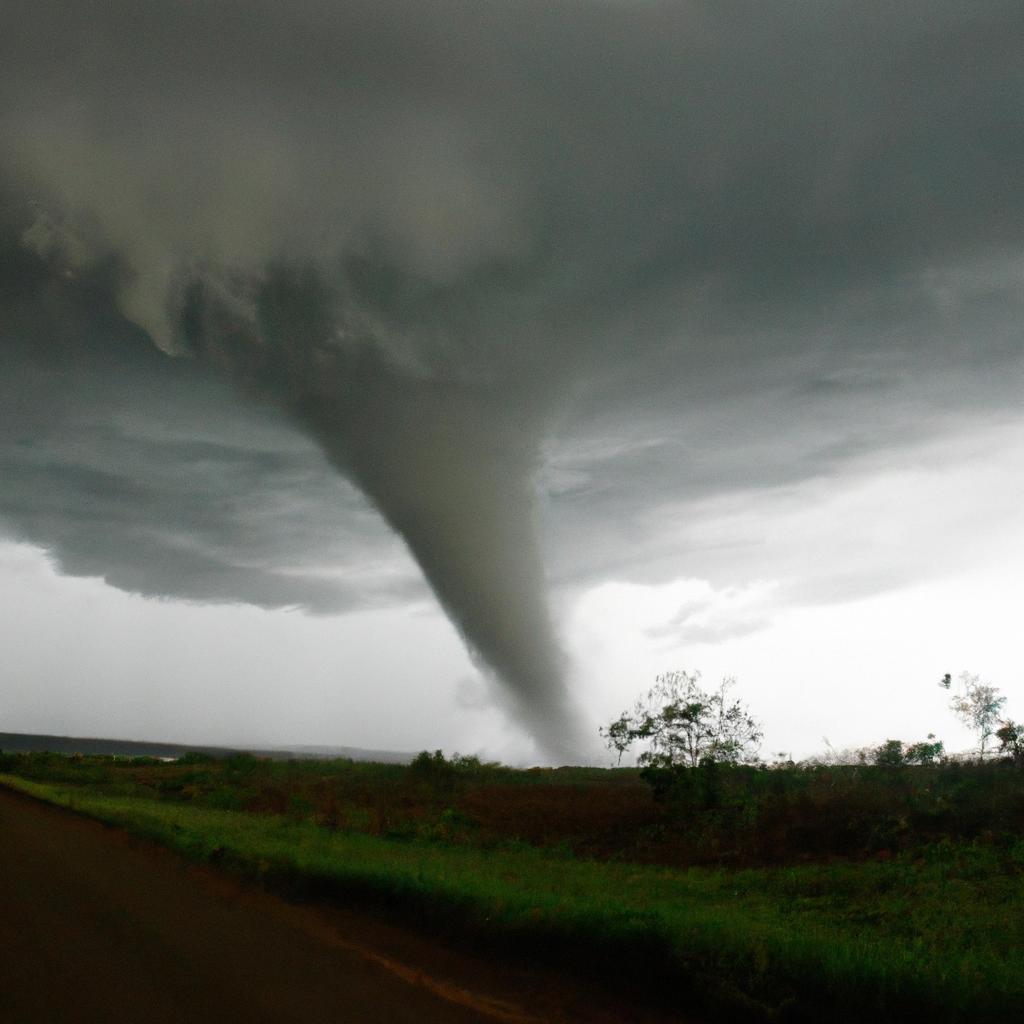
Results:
<point x="937" y="937"/>
<point x="740" y="816"/>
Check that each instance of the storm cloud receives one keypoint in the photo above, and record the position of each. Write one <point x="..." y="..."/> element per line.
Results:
<point x="534" y="277"/>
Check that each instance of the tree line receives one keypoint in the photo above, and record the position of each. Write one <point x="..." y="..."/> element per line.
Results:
<point x="679" y="724"/>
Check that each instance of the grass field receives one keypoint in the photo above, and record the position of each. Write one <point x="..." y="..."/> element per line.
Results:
<point x="931" y="932"/>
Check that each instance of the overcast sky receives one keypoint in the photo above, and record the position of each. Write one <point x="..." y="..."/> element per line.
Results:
<point x="410" y="375"/>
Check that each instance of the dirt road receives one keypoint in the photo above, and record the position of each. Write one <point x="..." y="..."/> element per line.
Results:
<point x="97" y="926"/>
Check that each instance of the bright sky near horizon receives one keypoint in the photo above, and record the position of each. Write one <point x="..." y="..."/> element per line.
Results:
<point x="382" y="374"/>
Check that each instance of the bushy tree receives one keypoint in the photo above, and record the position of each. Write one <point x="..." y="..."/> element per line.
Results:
<point x="685" y="725"/>
<point x="893" y="753"/>
<point x="889" y="754"/>
<point x="976" y="704"/>
<point x="1011" y="740"/>
<point x="924" y="751"/>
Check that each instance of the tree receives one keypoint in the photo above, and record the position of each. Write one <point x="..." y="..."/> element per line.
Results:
<point x="684" y="725"/>
<point x="893" y="753"/>
<point x="1011" y="740"/>
<point x="924" y="751"/>
<point x="889" y="754"/>
<point x="976" y="704"/>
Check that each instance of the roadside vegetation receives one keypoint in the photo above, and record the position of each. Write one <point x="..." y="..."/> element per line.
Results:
<point x="888" y="888"/>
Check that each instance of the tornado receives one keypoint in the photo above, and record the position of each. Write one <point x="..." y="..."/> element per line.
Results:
<point x="447" y="457"/>
<point x="452" y="473"/>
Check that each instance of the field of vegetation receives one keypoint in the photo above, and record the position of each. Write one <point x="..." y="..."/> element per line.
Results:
<point x="847" y="893"/>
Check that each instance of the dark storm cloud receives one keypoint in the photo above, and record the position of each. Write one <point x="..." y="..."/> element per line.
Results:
<point x="137" y="468"/>
<point x="651" y="253"/>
